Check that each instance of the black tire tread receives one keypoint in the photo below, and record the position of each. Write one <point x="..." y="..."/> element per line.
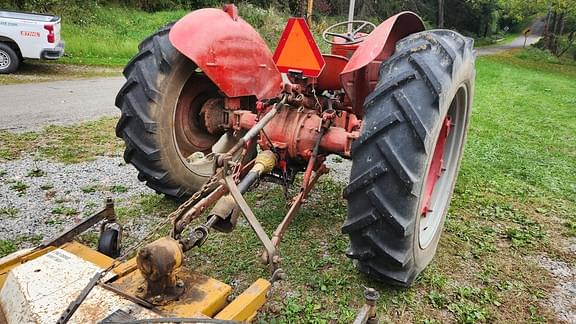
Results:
<point x="144" y="74"/>
<point x="382" y="195"/>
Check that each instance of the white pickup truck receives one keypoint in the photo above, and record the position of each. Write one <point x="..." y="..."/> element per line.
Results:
<point x="28" y="36"/>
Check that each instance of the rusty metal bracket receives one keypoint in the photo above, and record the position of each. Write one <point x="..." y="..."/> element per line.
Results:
<point x="68" y="235"/>
<point x="367" y="313"/>
<point x="253" y="221"/>
<point x="297" y="202"/>
<point x="71" y="309"/>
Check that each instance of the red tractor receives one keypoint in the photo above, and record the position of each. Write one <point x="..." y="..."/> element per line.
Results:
<point x="207" y="110"/>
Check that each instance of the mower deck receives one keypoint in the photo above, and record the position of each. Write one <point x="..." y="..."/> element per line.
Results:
<point x="36" y="287"/>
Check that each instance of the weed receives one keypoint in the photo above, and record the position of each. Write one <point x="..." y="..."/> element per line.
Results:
<point x="466" y="312"/>
<point x="437" y="299"/>
<point x="534" y="317"/>
<point x="46" y="186"/>
<point x="6" y="247"/>
<point x="2" y="173"/>
<point x="88" y="189"/>
<point x="19" y="187"/>
<point x="64" y="210"/>
<point x="118" y="189"/>
<point x="522" y="237"/>
<point x="54" y="221"/>
<point x="89" y="238"/>
<point x="9" y="212"/>
<point x="35" y="173"/>
<point x="90" y="207"/>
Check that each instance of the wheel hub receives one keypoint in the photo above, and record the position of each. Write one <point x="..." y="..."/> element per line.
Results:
<point x="4" y="60"/>
<point x="190" y="130"/>
<point x="436" y="167"/>
<point x="443" y="167"/>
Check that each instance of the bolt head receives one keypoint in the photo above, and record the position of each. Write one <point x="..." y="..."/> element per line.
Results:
<point x="371" y="294"/>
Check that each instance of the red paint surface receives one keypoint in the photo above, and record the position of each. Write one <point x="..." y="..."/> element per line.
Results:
<point x="329" y="79"/>
<point x="435" y="171"/>
<point x="361" y="74"/>
<point x="230" y="52"/>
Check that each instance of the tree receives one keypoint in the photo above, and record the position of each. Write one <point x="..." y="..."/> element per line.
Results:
<point x="440" y="14"/>
<point x="557" y="12"/>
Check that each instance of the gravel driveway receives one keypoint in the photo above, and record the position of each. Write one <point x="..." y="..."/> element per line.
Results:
<point x="59" y="195"/>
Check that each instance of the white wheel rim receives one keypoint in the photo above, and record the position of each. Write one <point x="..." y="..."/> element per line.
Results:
<point x="4" y="60"/>
<point x="431" y="223"/>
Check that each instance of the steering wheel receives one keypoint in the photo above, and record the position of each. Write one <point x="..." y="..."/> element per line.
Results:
<point x="354" y="37"/>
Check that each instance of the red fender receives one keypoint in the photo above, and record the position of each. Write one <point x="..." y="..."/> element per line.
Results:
<point x="360" y="75"/>
<point x="229" y="51"/>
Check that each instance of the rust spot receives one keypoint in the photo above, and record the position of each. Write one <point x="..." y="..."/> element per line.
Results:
<point x="2" y="317"/>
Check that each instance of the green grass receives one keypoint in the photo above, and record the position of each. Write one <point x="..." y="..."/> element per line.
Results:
<point x="89" y="43"/>
<point x="68" y="144"/>
<point x="124" y="28"/>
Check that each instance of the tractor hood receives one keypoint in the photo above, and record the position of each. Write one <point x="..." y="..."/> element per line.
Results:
<point x="229" y="51"/>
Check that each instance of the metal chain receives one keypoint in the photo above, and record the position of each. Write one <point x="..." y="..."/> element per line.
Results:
<point x="179" y="212"/>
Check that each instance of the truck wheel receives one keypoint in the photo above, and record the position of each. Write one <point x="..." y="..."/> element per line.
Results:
<point x="163" y="118"/>
<point x="406" y="160"/>
<point x="9" y="60"/>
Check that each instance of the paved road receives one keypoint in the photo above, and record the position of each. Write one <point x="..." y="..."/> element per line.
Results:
<point x="537" y="30"/>
<point x="31" y="106"/>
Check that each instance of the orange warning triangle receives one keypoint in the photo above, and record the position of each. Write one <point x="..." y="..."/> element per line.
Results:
<point x="297" y="50"/>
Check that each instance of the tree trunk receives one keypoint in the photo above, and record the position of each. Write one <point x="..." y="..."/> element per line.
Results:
<point x="562" y="23"/>
<point x="571" y="39"/>
<point x="440" y="14"/>
<point x="549" y="44"/>
<point x="365" y="9"/>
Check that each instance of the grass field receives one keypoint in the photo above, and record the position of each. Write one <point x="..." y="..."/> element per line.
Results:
<point x="89" y="43"/>
<point x="514" y="202"/>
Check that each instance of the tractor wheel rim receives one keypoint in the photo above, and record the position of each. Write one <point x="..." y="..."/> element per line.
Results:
<point x="190" y="134"/>
<point x="4" y="60"/>
<point x="445" y="159"/>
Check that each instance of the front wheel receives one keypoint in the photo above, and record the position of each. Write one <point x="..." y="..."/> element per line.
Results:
<point x="406" y="161"/>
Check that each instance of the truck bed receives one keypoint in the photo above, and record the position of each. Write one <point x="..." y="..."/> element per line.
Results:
<point x="27" y="16"/>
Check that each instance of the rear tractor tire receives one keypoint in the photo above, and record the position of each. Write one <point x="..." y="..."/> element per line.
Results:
<point x="161" y="119"/>
<point x="405" y="163"/>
